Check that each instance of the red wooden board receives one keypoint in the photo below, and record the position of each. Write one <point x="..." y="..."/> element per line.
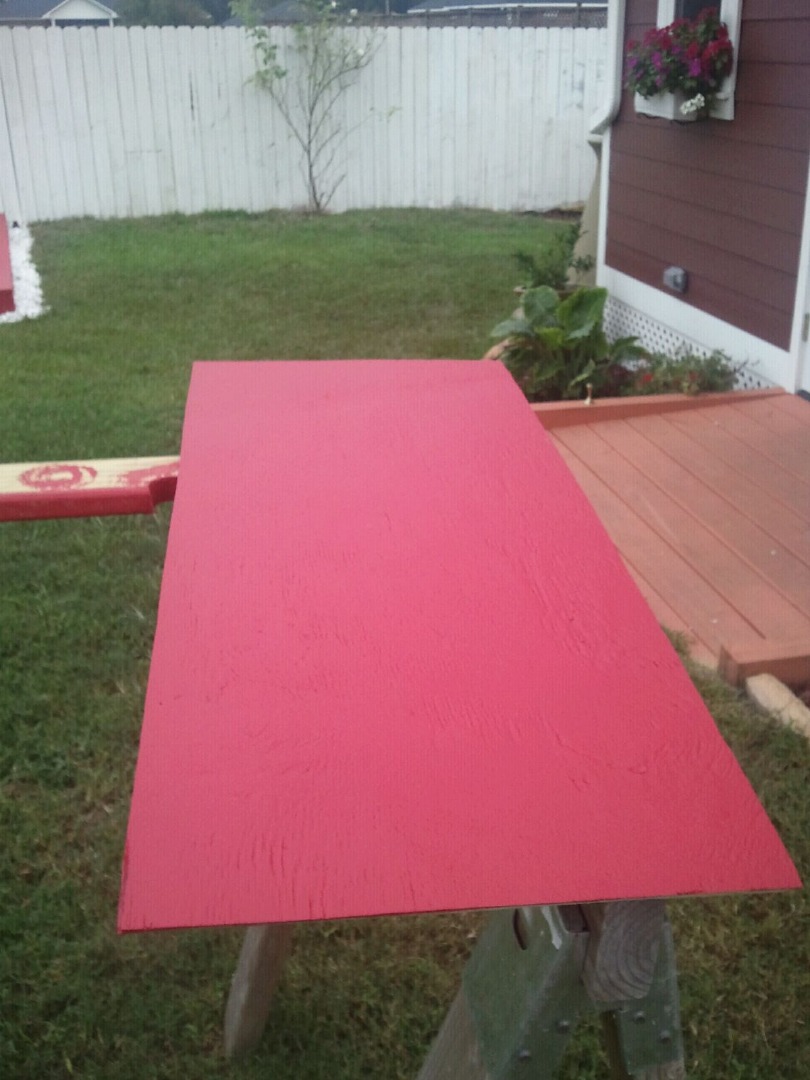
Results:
<point x="400" y="667"/>
<point x="57" y="489"/>
<point x="6" y="276"/>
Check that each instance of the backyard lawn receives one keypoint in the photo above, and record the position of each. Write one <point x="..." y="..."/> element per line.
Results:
<point x="104" y="373"/>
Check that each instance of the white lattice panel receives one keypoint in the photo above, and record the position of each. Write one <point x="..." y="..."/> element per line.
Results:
<point x="622" y="320"/>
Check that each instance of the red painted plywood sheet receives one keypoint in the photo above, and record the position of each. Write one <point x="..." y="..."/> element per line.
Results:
<point x="399" y="667"/>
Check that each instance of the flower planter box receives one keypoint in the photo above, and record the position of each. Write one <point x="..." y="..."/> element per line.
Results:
<point x="689" y="59"/>
<point x="667" y="106"/>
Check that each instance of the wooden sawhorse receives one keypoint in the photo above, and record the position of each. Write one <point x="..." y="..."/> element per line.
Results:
<point x="533" y="974"/>
<point x="395" y="652"/>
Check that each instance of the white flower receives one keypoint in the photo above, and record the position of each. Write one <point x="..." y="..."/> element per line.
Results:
<point x="694" y="104"/>
<point x="353" y="13"/>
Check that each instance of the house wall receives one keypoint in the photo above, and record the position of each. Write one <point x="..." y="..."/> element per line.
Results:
<point x="724" y="200"/>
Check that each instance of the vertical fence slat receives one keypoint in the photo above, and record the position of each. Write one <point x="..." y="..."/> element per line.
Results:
<point x="133" y="121"/>
<point x="36" y="93"/>
<point x="74" y="125"/>
<point x="261" y="183"/>
<point x="103" y="83"/>
<point x="61" y="136"/>
<point x="153" y="74"/>
<point x="145" y="128"/>
<point x="98" y="140"/>
<point x="16" y="180"/>
<point x="405" y="152"/>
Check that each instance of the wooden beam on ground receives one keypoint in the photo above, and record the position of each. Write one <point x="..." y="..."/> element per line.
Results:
<point x="60" y="489"/>
<point x="556" y="414"/>
<point x="788" y="661"/>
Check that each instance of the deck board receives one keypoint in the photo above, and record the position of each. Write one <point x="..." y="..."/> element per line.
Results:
<point x="694" y="607"/>
<point x="780" y="521"/>
<point x="782" y="448"/>
<point x="742" y="458"/>
<point x="709" y="507"/>
<point x="723" y="525"/>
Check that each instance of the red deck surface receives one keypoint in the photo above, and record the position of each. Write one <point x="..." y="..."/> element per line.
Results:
<point x="707" y="499"/>
<point x="399" y="667"/>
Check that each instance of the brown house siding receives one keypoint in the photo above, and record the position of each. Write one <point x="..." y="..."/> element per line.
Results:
<point x="725" y="200"/>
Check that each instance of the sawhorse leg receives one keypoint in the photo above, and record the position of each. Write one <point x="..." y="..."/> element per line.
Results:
<point x="537" y="970"/>
<point x="261" y="962"/>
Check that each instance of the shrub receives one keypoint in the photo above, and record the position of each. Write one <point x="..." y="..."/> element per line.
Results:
<point x="555" y="346"/>
<point x="557" y="261"/>
<point x="685" y="373"/>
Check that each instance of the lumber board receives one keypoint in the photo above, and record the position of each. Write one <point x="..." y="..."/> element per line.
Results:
<point x="264" y="953"/>
<point x="399" y="666"/>
<point x="788" y="661"/>
<point x="59" y="489"/>
<point x="555" y="414"/>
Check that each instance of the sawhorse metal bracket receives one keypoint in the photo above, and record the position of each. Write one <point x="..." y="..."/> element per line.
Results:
<point x="537" y="970"/>
<point x="534" y="973"/>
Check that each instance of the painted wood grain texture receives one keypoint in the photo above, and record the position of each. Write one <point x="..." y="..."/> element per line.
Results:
<point x="399" y="667"/>
<point x="56" y="489"/>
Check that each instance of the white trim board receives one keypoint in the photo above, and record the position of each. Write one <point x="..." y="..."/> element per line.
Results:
<point x="798" y="348"/>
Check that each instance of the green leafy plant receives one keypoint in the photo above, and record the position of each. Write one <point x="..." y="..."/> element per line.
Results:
<point x="307" y="80"/>
<point x="685" y="373"/>
<point x="558" y="260"/>
<point x="554" y="347"/>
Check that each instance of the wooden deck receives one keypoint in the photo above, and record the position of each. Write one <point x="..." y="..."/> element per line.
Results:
<point x="708" y="501"/>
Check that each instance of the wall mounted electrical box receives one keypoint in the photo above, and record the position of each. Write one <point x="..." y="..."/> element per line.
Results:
<point x="675" y="277"/>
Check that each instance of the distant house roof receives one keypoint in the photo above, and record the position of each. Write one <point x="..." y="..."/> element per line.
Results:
<point x="46" y="11"/>
<point x="501" y="5"/>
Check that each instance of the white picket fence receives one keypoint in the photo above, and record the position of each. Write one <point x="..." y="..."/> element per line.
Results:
<point x="130" y="122"/>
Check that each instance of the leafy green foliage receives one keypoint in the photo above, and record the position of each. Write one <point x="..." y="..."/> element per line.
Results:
<point x="685" y="373"/>
<point x="551" y="267"/>
<point x="556" y="346"/>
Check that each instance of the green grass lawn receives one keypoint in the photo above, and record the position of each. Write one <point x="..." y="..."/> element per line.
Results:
<point x="105" y="373"/>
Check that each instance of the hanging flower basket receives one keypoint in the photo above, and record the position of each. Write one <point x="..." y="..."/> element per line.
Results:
<point x="678" y="71"/>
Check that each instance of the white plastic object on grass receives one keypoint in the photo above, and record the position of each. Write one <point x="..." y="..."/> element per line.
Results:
<point x="27" y="288"/>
